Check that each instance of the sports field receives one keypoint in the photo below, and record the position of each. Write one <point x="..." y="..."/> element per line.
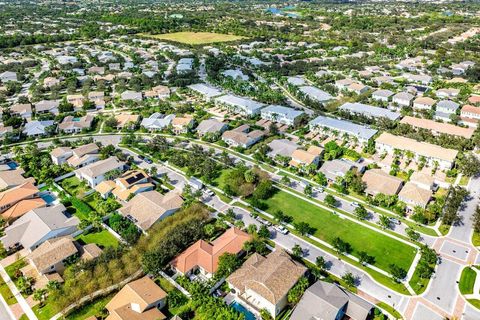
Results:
<point x="195" y="37"/>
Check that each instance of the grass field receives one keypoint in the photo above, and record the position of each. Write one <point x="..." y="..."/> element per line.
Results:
<point x="103" y="239"/>
<point x="195" y="37"/>
<point x="384" y="249"/>
<point x="467" y="280"/>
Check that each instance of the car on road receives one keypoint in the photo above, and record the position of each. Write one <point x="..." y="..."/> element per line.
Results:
<point x="210" y="192"/>
<point x="319" y="190"/>
<point x="355" y="204"/>
<point x="148" y="160"/>
<point x="395" y="221"/>
<point x="141" y="157"/>
<point x="263" y="221"/>
<point x="281" y="229"/>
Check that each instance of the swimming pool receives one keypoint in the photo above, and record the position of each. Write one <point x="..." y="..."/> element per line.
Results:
<point x="48" y="197"/>
<point x="248" y="315"/>
<point x="12" y="165"/>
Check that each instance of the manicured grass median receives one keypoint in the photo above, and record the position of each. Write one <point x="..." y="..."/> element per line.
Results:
<point x="195" y="37"/>
<point x="467" y="280"/>
<point x="418" y="284"/>
<point x="386" y="250"/>
<point x="102" y="238"/>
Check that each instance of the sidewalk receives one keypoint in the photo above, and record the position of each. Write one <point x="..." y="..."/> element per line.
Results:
<point x="21" y="300"/>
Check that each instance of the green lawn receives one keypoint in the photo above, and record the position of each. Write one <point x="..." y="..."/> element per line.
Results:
<point x="418" y="284"/>
<point x="467" y="280"/>
<point x="475" y="303"/>
<point x="476" y="239"/>
<point x="6" y="293"/>
<point x="220" y="180"/>
<point x="103" y="239"/>
<point x="94" y="308"/>
<point x="74" y="186"/>
<point x="46" y="312"/>
<point x="386" y="250"/>
<point x="390" y="309"/>
<point x="194" y="38"/>
<point x="14" y="267"/>
<point x="164" y="284"/>
<point x="82" y="210"/>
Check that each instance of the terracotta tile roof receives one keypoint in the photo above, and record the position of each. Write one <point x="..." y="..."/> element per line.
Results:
<point x="139" y="294"/>
<point x="413" y="193"/>
<point x="420" y="148"/>
<point x="13" y="195"/>
<point x="438" y="127"/>
<point x="378" y="181"/>
<point x="22" y="207"/>
<point x="206" y="255"/>
<point x="270" y="277"/>
<point x="60" y="151"/>
<point x="105" y="186"/>
<point x="474" y="99"/>
<point x="52" y="252"/>
<point x="123" y="119"/>
<point x="471" y="109"/>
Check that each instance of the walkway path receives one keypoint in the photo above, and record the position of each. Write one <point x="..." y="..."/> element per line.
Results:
<point x="21" y="300"/>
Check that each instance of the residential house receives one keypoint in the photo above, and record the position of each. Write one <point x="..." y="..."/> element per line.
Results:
<point x="327" y="125"/>
<point x="20" y="199"/>
<point x="316" y="94"/>
<point x="382" y="95"/>
<point x="94" y="173"/>
<point x="5" y="130"/>
<point x="60" y="155"/>
<point x="305" y="158"/>
<point x="211" y="126"/>
<point x="47" y="106"/>
<point x="433" y="154"/>
<point x="235" y="74"/>
<point x="242" y="136"/>
<point x="203" y="256"/>
<point x="445" y="109"/>
<point x="84" y="155"/>
<point x="474" y="100"/>
<point x="369" y="111"/>
<point x="423" y="103"/>
<point x="343" y="84"/>
<point x="243" y="106"/>
<point x="13" y="178"/>
<point x="403" y="99"/>
<point x="206" y="91"/>
<point x="130" y="95"/>
<point x="264" y="282"/>
<point x="51" y="255"/>
<point x="333" y="169"/>
<point x="23" y="110"/>
<point x="71" y="124"/>
<point x="280" y="114"/>
<point x="125" y="120"/>
<point x="49" y="82"/>
<point x="181" y="125"/>
<point x="158" y="92"/>
<point x="37" y="128"/>
<point x="8" y="76"/>
<point x="97" y="98"/>
<point x="184" y="65"/>
<point x="282" y="147"/>
<point x="438" y="128"/>
<point x="378" y="181"/>
<point x="127" y="185"/>
<point x="447" y="93"/>
<point x="415" y="196"/>
<point x="39" y="225"/>
<point x="141" y="299"/>
<point x="76" y="100"/>
<point x="157" y="121"/>
<point x="329" y="301"/>
<point x="358" y="88"/>
<point x="423" y="180"/>
<point x="146" y="208"/>
<point x="470" y="115"/>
